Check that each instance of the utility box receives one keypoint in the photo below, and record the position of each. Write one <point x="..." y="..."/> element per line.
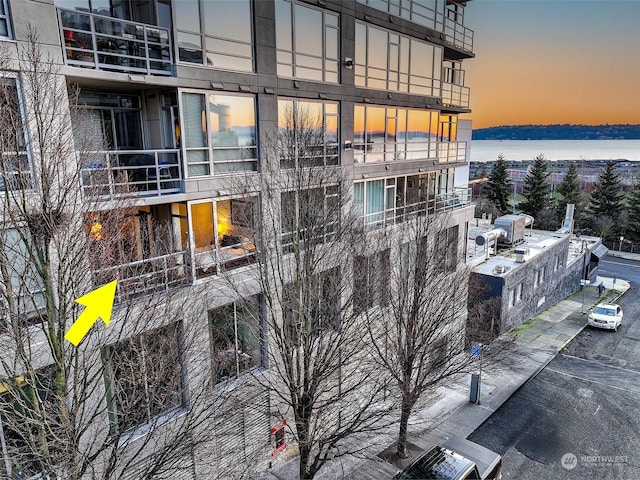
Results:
<point x="475" y="388"/>
<point x="520" y="254"/>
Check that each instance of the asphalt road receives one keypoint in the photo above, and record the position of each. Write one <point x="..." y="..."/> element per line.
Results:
<point x="579" y="418"/>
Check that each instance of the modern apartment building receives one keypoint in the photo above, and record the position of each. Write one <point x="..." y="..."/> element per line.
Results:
<point x="181" y="97"/>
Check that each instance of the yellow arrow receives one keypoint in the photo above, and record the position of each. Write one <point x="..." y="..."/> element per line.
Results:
<point x="99" y="303"/>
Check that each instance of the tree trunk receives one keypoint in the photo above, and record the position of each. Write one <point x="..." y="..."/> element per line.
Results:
<point x="404" y="425"/>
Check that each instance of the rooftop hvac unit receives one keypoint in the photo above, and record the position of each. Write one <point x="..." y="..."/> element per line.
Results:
<point x="514" y="225"/>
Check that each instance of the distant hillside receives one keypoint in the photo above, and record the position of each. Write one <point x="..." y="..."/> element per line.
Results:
<point x="559" y="132"/>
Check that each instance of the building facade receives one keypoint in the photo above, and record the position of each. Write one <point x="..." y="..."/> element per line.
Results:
<point x="180" y="99"/>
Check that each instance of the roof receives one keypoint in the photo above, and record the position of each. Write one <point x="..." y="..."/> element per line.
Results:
<point x="537" y="242"/>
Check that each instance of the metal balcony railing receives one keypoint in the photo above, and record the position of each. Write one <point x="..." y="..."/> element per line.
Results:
<point x="436" y="203"/>
<point x="451" y="152"/>
<point x="107" y="43"/>
<point x="113" y="174"/>
<point x="147" y="276"/>
<point x="458" y="35"/>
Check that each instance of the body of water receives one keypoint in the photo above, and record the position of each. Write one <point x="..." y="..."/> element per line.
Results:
<point x="485" y="150"/>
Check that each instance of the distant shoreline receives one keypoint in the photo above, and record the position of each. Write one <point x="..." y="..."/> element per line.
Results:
<point x="558" y="132"/>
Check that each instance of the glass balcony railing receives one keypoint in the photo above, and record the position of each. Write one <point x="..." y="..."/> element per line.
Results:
<point x="455" y="95"/>
<point x="435" y="203"/>
<point x="110" y="174"/>
<point x="458" y="35"/>
<point x="452" y="152"/>
<point x="106" y="43"/>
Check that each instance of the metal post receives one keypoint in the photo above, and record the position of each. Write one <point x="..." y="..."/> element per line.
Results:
<point x="480" y="376"/>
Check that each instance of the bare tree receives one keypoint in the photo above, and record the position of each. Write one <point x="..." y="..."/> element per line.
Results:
<point x="133" y="400"/>
<point x="317" y="373"/>
<point x="418" y="338"/>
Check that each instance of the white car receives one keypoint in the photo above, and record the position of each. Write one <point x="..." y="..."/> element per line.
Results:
<point x="606" y="315"/>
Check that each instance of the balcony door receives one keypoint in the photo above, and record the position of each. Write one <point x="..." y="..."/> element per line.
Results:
<point x="115" y="119"/>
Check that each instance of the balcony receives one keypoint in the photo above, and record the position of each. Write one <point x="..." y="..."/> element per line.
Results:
<point x="144" y="277"/>
<point x="107" y="43"/>
<point x="452" y="152"/>
<point x="141" y="173"/>
<point x="438" y="203"/>
<point x="454" y="93"/>
<point x="458" y="35"/>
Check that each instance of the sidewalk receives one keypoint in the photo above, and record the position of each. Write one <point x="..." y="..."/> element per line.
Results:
<point x="537" y="342"/>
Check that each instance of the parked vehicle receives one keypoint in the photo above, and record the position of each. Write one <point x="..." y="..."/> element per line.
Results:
<point x="606" y="315"/>
<point x="455" y="459"/>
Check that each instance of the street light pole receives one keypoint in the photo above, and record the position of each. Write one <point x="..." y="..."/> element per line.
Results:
<point x="620" y="247"/>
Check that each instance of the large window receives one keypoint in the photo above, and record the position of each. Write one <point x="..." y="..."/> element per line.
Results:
<point x="388" y="61"/>
<point x="309" y="217"/>
<point x="219" y="133"/>
<point x="237" y="339"/>
<point x="311" y="305"/>
<point x="22" y="300"/>
<point x="29" y="422"/>
<point x="383" y="134"/>
<point x="448" y="249"/>
<point x="308" y="133"/>
<point x="223" y="234"/>
<point x="423" y="12"/>
<point x="15" y="172"/>
<point x="5" y="21"/>
<point x="393" y="200"/>
<point x="215" y="33"/>
<point x="144" y="377"/>
<point x="307" y="41"/>
<point x="371" y="281"/>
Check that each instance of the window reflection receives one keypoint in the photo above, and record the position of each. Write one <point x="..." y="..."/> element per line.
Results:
<point x="308" y="133"/>
<point x="388" y="61"/>
<point x="220" y="133"/>
<point x="429" y="13"/>
<point x="392" y="134"/>
<point x="307" y="41"/>
<point x="226" y="41"/>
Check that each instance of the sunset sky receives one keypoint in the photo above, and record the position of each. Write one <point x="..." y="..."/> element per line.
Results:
<point x="554" y="61"/>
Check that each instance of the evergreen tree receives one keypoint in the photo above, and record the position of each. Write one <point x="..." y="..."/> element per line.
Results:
<point x="536" y="187"/>
<point x="568" y="190"/>
<point x="499" y="185"/>
<point x="633" y="225"/>
<point x="606" y="199"/>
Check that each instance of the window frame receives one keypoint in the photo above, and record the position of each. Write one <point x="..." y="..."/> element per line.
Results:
<point x="395" y="150"/>
<point x="324" y="231"/>
<point x="325" y="58"/>
<point x="410" y="10"/>
<point x="371" y="287"/>
<point x="212" y="258"/>
<point x="134" y="427"/>
<point x="257" y="301"/>
<point x="22" y="155"/>
<point x="211" y="166"/>
<point x="202" y="33"/>
<point x="6" y="17"/>
<point x="330" y="150"/>
<point x="397" y="75"/>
